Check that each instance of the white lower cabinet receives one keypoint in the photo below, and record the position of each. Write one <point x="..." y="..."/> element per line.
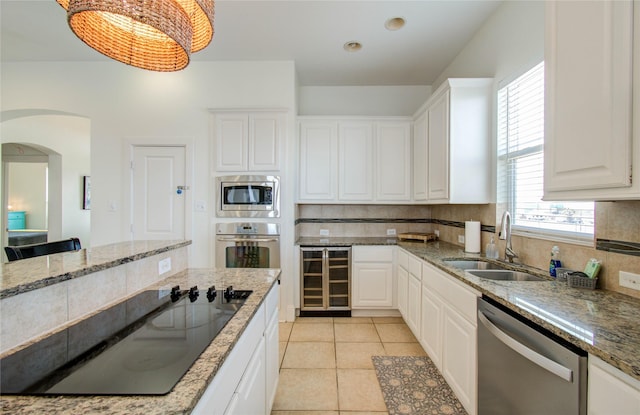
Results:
<point x="250" y="395"/>
<point x="272" y="354"/>
<point x="246" y="382"/>
<point x="413" y="295"/>
<point x="430" y="338"/>
<point x="610" y="391"/>
<point x="373" y="277"/>
<point x="448" y="332"/>
<point x="459" y="358"/>
<point x="402" y="272"/>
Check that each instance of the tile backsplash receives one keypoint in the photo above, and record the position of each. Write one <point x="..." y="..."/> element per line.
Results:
<point x="616" y="221"/>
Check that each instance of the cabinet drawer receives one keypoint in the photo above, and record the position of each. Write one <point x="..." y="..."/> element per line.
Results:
<point x="372" y="253"/>
<point x="403" y="259"/>
<point x="415" y="266"/>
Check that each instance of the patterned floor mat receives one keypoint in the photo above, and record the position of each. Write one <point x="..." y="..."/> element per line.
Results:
<point x="413" y="385"/>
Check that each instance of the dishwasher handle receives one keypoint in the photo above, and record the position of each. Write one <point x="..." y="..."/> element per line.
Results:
<point x="535" y="357"/>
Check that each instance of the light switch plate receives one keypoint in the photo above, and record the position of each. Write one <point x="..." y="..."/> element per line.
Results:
<point x="461" y="239"/>
<point x="324" y="232"/>
<point x="629" y="280"/>
<point x="391" y="232"/>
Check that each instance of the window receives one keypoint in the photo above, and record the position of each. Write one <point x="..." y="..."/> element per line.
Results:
<point x="521" y="163"/>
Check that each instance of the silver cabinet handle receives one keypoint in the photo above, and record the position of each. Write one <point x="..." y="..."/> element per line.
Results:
<point x="220" y="238"/>
<point x="535" y="357"/>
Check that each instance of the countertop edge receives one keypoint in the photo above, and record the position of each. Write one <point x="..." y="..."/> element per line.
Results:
<point x="85" y="270"/>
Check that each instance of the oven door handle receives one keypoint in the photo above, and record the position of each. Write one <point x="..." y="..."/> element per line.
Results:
<point x="535" y="357"/>
<point x="223" y="239"/>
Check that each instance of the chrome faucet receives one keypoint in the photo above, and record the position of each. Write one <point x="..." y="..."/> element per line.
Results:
<point x="505" y="233"/>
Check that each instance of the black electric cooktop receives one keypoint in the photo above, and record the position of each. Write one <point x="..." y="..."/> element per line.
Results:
<point x="142" y="346"/>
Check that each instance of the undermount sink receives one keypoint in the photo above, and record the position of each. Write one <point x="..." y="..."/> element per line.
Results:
<point x="490" y="270"/>
<point x="503" y="275"/>
<point x="472" y="264"/>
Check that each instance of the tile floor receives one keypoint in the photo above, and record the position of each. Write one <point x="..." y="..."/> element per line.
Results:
<point x="326" y="368"/>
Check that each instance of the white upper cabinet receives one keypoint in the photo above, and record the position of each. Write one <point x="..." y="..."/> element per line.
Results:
<point x="591" y="87"/>
<point x="318" y="161"/>
<point x="355" y="160"/>
<point x="393" y="160"/>
<point x="355" y="155"/>
<point x="452" y="139"/>
<point x="248" y="141"/>
<point x="438" y="148"/>
<point x="420" y="157"/>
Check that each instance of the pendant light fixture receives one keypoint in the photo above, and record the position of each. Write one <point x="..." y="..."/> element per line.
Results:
<point x="157" y="35"/>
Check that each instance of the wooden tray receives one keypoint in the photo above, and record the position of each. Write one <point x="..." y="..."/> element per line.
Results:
<point x="424" y="237"/>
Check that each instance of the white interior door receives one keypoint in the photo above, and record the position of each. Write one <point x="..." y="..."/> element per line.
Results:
<point x="159" y="192"/>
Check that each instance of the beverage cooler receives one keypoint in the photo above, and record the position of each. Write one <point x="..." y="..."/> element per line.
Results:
<point x="326" y="281"/>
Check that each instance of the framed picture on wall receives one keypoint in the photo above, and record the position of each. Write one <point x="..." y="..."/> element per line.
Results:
<point x="86" y="198"/>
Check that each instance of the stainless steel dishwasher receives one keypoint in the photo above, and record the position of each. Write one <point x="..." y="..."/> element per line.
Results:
<point x="525" y="370"/>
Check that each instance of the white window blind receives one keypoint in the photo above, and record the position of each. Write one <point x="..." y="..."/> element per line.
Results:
<point x="521" y="162"/>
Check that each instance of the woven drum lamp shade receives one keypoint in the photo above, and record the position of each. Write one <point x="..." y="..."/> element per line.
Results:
<point x="157" y="35"/>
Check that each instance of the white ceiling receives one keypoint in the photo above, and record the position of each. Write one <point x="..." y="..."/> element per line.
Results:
<point x="311" y="33"/>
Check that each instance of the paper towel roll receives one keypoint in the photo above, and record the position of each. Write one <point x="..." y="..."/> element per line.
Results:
<point x="472" y="237"/>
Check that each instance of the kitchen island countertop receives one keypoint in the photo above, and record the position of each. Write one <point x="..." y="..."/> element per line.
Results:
<point x="30" y="274"/>
<point x="185" y="395"/>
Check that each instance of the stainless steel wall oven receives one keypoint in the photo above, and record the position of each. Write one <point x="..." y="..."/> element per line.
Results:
<point x="247" y="245"/>
<point x="248" y="196"/>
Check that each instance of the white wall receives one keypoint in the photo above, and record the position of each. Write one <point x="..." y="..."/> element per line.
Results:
<point x="125" y="103"/>
<point x="362" y="100"/>
<point x="510" y="42"/>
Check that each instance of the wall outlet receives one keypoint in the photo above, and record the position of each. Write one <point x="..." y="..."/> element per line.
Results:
<point x="629" y="280"/>
<point x="324" y="232"/>
<point x="461" y="239"/>
<point x="436" y="233"/>
<point x="391" y="232"/>
<point x="164" y="266"/>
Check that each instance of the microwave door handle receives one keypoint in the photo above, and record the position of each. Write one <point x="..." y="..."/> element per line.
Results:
<point x="221" y="238"/>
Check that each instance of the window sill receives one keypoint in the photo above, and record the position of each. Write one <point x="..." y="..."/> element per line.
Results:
<point x="560" y="237"/>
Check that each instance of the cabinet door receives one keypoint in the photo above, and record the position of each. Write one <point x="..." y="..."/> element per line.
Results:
<point x="231" y="141"/>
<point x="249" y="398"/>
<point x="272" y="360"/>
<point x="413" y="304"/>
<point x="611" y="391"/>
<point x="265" y="137"/>
<point x="318" y="160"/>
<point x="431" y="326"/>
<point x="393" y="161"/>
<point x="438" y="149"/>
<point x="420" y="158"/>
<point x="588" y="133"/>
<point x="459" y="359"/>
<point x="372" y="285"/>
<point x="355" y="155"/>
<point x="403" y="288"/>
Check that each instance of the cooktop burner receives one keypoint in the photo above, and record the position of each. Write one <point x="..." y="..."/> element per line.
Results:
<point x="142" y="346"/>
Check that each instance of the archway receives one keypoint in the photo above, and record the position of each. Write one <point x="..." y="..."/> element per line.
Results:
<point x="65" y="139"/>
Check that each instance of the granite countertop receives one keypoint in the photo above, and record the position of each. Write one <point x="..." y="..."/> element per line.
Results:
<point x="603" y="323"/>
<point x="29" y="274"/>
<point x="185" y="395"/>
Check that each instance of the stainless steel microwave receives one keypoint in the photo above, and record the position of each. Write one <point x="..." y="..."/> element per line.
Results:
<point x="248" y="196"/>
